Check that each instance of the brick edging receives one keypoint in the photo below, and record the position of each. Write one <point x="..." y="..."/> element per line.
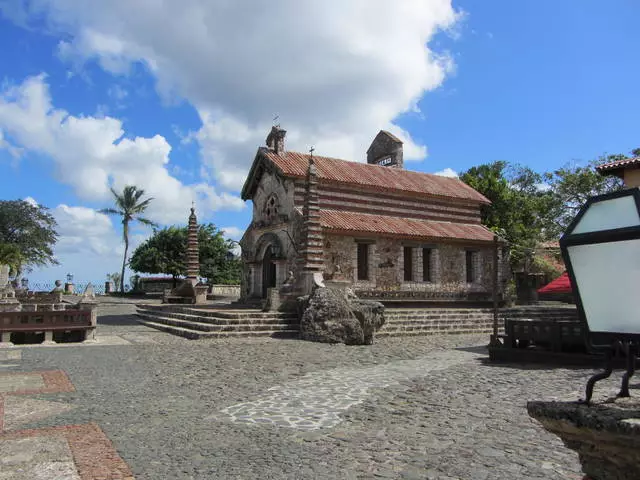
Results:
<point x="93" y="453"/>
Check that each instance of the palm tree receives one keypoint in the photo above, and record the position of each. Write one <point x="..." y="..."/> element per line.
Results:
<point x="129" y="207"/>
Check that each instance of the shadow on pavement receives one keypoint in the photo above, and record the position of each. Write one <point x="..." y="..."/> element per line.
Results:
<point x="117" y="320"/>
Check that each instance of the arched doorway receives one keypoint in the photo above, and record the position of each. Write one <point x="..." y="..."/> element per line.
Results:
<point x="268" y="271"/>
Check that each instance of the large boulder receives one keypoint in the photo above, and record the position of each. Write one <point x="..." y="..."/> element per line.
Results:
<point x="337" y="316"/>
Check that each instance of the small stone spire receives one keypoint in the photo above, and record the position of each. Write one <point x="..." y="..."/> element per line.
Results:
<point x="193" y="260"/>
<point x="311" y="252"/>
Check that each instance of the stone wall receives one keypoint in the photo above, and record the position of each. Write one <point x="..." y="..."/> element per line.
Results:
<point x="156" y="286"/>
<point x="273" y="222"/>
<point x="225" y="290"/>
<point x="4" y="275"/>
<point x="386" y="265"/>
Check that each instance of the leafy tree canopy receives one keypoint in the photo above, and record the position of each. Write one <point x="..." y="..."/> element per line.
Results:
<point x="519" y="209"/>
<point x="572" y="185"/>
<point x="29" y="232"/>
<point x="164" y="253"/>
<point x="528" y="207"/>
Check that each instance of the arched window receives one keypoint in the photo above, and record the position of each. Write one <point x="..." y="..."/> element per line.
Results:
<point x="271" y="207"/>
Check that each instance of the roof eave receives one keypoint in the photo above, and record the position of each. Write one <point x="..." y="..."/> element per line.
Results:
<point x="252" y="176"/>
<point x="346" y="232"/>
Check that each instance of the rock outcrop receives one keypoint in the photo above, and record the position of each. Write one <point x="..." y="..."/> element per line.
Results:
<point x="336" y="315"/>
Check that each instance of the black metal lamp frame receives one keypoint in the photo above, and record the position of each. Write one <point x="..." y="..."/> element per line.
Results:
<point x="608" y="343"/>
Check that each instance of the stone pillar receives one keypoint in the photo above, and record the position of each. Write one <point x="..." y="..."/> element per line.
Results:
<point x="48" y="338"/>
<point x="193" y="259"/>
<point x="310" y="257"/>
<point x="4" y="275"/>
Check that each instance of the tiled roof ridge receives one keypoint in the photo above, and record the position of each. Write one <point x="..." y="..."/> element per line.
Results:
<point x="348" y="221"/>
<point x="401" y="217"/>
<point x="285" y="161"/>
<point x="632" y="161"/>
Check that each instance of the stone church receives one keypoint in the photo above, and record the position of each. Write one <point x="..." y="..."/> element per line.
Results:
<point x="390" y="233"/>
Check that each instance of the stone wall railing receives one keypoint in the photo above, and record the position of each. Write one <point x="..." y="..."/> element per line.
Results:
<point x="225" y="291"/>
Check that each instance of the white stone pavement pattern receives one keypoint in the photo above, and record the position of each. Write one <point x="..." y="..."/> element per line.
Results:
<point x="408" y="408"/>
<point x="317" y="400"/>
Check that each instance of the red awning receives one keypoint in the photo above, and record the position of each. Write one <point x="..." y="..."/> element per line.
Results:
<point x="562" y="284"/>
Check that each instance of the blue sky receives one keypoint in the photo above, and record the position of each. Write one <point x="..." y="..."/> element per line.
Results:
<point x="177" y="100"/>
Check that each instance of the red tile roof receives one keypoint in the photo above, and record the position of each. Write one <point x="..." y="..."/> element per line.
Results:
<point x="294" y="164"/>
<point x="405" y="227"/>
<point x="562" y="284"/>
<point x="618" y="165"/>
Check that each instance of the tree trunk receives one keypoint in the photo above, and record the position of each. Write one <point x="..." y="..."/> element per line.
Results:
<point x="125" y="228"/>
<point x="175" y="281"/>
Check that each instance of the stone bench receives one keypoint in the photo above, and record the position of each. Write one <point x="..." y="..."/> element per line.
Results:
<point x="48" y="322"/>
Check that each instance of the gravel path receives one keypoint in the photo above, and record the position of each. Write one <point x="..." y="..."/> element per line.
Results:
<point x="422" y="407"/>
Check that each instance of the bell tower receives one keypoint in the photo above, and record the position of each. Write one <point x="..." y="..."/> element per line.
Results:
<point x="385" y="150"/>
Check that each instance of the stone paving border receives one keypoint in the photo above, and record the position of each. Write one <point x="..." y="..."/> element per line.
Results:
<point x="55" y="381"/>
<point x="93" y="453"/>
<point x="1" y="413"/>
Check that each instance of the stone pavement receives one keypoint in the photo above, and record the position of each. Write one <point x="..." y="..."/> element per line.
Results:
<point x="421" y="407"/>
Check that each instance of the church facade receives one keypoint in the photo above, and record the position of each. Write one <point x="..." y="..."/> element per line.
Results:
<point x="387" y="231"/>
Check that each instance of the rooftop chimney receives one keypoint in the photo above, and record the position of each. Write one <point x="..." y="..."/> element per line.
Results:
<point x="275" y="139"/>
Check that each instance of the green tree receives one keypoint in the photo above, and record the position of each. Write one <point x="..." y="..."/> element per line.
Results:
<point x="29" y="229"/>
<point x="129" y="206"/>
<point x="164" y="253"/>
<point x="10" y="255"/>
<point x="572" y="185"/>
<point x="520" y="206"/>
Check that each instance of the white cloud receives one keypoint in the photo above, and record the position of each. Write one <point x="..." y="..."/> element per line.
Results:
<point x="31" y="201"/>
<point x="335" y="72"/>
<point x="88" y="245"/>
<point x="447" y="172"/>
<point x="234" y="233"/>
<point x="90" y="154"/>
<point x="14" y="151"/>
<point x="83" y="230"/>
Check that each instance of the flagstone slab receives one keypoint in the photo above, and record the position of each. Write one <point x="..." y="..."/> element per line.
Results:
<point x="29" y="383"/>
<point x="21" y="410"/>
<point x="74" y="452"/>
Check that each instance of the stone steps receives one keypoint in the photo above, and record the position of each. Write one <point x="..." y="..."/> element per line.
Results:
<point x="194" y="323"/>
<point x="193" y="334"/>
<point x="228" y="314"/>
<point x="192" y="317"/>
<point x="436" y="321"/>
<point x="208" y="327"/>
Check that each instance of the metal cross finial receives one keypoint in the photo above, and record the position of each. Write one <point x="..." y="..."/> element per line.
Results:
<point x="275" y="121"/>
<point x="311" y="150"/>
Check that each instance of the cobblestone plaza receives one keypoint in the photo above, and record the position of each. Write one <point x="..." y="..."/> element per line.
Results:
<point x="162" y="407"/>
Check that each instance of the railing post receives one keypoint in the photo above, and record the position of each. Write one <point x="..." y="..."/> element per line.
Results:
<point x="494" y="338"/>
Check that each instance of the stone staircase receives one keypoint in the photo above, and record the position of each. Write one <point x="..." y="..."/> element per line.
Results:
<point x="232" y="321"/>
<point x="217" y="322"/>
<point x="452" y="320"/>
<point x="434" y="321"/>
